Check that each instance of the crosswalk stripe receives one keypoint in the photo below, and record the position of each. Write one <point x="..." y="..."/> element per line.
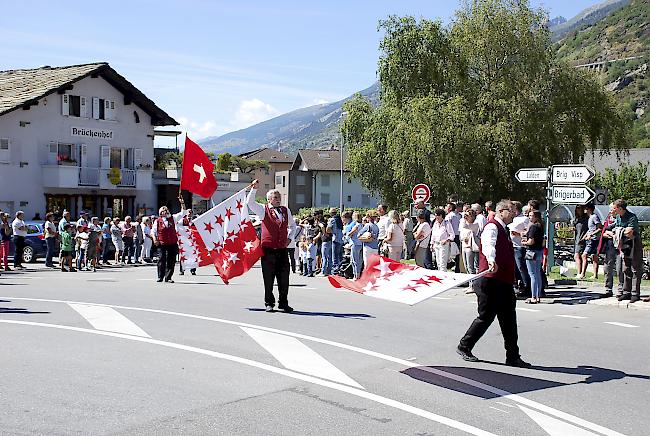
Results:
<point x="572" y="316"/>
<point x="525" y="309"/>
<point x="622" y="324"/>
<point x="296" y="356"/>
<point x="107" y="319"/>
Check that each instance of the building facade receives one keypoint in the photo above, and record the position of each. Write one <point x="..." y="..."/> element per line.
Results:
<point x="278" y="161"/>
<point x="76" y="138"/>
<point x="314" y="180"/>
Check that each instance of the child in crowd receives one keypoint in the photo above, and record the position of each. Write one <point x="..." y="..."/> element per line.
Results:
<point x="66" y="249"/>
<point x="311" y="257"/>
<point x="82" y="239"/>
<point x="303" y="255"/>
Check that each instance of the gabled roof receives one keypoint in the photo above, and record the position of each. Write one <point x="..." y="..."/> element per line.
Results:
<point x="267" y="154"/>
<point x="23" y="88"/>
<point x="319" y="160"/>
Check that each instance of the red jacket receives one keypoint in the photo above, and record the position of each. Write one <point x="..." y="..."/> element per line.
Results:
<point x="166" y="235"/>
<point x="274" y="228"/>
<point x="505" y="256"/>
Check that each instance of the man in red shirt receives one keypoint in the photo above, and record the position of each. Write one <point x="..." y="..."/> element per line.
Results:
<point x="164" y="237"/>
<point x="278" y="228"/>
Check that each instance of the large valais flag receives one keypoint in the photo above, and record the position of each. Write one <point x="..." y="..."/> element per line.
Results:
<point x="410" y="284"/>
<point x="197" y="176"/>
<point x="230" y="236"/>
<point x="191" y="248"/>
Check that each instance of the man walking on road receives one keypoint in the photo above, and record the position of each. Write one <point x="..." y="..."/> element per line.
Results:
<point x="628" y="241"/>
<point x="494" y="291"/>
<point x="278" y="228"/>
<point x="164" y="236"/>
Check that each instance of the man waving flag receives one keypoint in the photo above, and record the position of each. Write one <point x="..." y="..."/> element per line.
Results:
<point x="230" y="237"/>
<point x="410" y="284"/>
<point x="197" y="176"/>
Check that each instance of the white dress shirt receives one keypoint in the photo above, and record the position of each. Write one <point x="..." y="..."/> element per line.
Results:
<point x="17" y="226"/>
<point x="442" y="231"/>
<point x="260" y="210"/>
<point x="489" y="239"/>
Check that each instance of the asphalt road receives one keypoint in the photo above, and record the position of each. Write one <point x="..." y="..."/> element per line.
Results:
<point x="114" y="352"/>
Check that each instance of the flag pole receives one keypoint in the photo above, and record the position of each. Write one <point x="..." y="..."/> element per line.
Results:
<point x="180" y="182"/>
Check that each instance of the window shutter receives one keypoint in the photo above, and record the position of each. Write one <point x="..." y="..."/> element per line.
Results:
<point x="65" y="104"/>
<point x="110" y="112"/>
<point x="82" y="154"/>
<point x="52" y="153"/>
<point x="83" y="107"/>
<point x="137" y="157"/>
<point x="4" y="150"/>
<point x="96" y="108"/>
<point x="105" y="159"/>
<point x="107" y="109"/>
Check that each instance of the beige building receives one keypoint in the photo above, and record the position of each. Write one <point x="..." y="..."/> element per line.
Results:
<point x="277" y="160"/>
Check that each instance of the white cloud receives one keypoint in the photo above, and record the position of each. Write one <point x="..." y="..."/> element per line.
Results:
<point x="252" y="112"/>
<point x="200" y="129"/>
<point x="320" y="101"/>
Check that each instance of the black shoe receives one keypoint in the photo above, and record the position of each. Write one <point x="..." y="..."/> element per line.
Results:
<point x="193" y="273"/>
<point x="634" y="298"/>
<point x="623" y="297"/>
<point x="159" y="280"/>
<point x="286" y="308"/>
<point x="182" y="273"/>
<point x="518" y="363"/>
<point x="466" y="354"/>
<point x="169" y="281"/>
<point x="269" y="309"/>
<point x="608" y="294"/>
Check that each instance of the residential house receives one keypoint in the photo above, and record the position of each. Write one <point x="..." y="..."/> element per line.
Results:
<point x="314" y="180"/>
<point x="76" y="137"/>
<point x="278" y="161"/>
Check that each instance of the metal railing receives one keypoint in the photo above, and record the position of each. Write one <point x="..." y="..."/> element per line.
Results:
<point x="88" y="176"/>
<point x="128" y="178"/>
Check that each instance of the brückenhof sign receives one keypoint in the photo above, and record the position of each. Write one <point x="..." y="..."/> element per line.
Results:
<point x="91" y="133"/>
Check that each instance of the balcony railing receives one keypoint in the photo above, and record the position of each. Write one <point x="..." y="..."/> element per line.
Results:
<point x="88" y="176"/>
<point x="128" y="178"/>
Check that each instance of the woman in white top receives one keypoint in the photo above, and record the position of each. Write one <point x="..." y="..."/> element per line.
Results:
<point x="469" y="240"/>
<point x="116" y="238"/>
<point x="422" y="235"/>
<point x="442" y="235"/>
<point x="394" y="236"/>
<point x="148" y="240"/>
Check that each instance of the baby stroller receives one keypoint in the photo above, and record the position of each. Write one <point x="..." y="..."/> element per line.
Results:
<point x="346" y="264"/>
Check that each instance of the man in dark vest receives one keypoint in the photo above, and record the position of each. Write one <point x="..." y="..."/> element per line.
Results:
<point x="494" y="291"/>
<point x="278" y="228"/>
<point x="164" y="236"/>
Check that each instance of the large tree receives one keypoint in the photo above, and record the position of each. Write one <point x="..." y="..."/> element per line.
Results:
<point x="464" y="106"/>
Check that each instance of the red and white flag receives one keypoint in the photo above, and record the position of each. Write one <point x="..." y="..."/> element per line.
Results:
<point x="395" y="281"/>
<point x="197" y="174"/>
<point x="230" y="237"/>
<point x="191" y="248"/>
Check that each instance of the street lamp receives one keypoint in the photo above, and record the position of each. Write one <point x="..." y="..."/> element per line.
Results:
<point x="341" y="117"/>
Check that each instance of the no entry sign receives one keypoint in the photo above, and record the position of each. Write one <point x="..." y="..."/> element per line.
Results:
<point x="421" y="192"/>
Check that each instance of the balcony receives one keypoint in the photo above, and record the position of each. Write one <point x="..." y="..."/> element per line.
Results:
<point x="88" y="176"/>
<point x="72" y="176"/>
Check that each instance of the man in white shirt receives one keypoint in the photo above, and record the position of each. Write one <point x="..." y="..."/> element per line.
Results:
<point x="453" y="218"/>
<point x="517" y="229"/>
<point x="383" y="222"/>
<point x="19" y="230"/>
<point x="278" y="230"/>
<point x="480" y="218"/>
<point x="494" y="292"/>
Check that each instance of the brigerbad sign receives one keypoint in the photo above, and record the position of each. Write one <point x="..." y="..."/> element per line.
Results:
<point x="91" y="133"/>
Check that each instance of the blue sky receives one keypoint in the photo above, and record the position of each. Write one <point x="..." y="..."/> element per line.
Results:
<point x="219" y="66"/>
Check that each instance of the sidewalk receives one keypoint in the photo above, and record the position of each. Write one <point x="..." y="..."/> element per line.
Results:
<point x="576" y="292"/>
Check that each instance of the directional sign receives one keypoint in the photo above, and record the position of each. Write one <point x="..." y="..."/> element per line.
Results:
<point x="572" y="194"/>
<point x="531" y="175"/>
<point x="570" y="174"/>
<point x="421" y="192"/>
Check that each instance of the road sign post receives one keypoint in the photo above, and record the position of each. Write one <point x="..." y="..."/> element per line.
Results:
<point x="531" y="175"/>
<point x="421" y="192"/>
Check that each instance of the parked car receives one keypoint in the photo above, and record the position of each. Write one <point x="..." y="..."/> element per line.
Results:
<point x="35" y="245"/>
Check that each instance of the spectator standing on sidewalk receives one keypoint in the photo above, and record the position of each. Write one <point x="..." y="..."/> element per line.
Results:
<point x="139" y="239"/>
<point x="336" y="224"/>
<point x="116" y="239"/>
<point x="382" y="222"/>
<point x="606" y="246"/>
<point x="631" y="251"/>
<point x="128" y="233"/>
<point x="422" y="236"/>
<point x="106" y="239"/>
<point x="19" y="231"/>
<point x="594" y="228"/>
<point x="453" y="218"/>
<point x="518" y="229"/>
<point x="580" y="223"/>
<point x="534" y="243"/>
<point x="5" y="240"/>
<point x="50" y="238"/>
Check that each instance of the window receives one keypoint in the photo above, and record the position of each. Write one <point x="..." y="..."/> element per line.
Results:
<point x="266" y="171"/>
<point x="300" y="180"/>
<point x="300" y="199"/>
<point x="349" y="198"/>
<point x="65" y="154"/>
<point x="116" y="157"/>
<point x="284" y="181"/>
<point x="325" y="180"/>
<point x="267" y="186"/>
<point x="74" y="105"/>
<point x="104" y="109"/>
<point x="278" y="180"/>
<point x="324" y="199"/>
<point x="365" y="199"/>
<point x="4" y="150"/>
<point x="33" y="229"/>
<point x="324" y="156"/>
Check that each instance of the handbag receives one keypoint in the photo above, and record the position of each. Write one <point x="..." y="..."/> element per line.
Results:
<point x="530" y="255"/>
<point x="366" y="237"/>
<point x="453" y="249"/>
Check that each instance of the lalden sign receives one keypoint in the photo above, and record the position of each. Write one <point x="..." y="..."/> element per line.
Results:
<point x="91" y="133"/>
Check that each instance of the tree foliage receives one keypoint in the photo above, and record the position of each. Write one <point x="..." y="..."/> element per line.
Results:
<point x="630" y="182"/>
<point x="227" y="162"/>
<point x="463" y="107"/>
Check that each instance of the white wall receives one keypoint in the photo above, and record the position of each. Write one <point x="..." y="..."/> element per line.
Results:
<point x="46" y="123"/>
<point x="353" y="189"/>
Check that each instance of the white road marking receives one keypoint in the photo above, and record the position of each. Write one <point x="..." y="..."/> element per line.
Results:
<point x="525" y="309"/>
<point x="295" y="375"/>
<point x="148" y="280"/>
<point x="621" y="324"/>
<point x="447" y="298"/>
<point x="506" y="404"/>
<point x="555" y="427"/>
<point x="468" y="381"/>
<point x="107" y="319"/>
<point x="296" y="356"/>
<point x="572" y="316"/>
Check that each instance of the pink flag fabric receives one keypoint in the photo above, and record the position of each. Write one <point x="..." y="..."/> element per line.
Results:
<point x="395" y="281"/>
<point x="230" y="237"/>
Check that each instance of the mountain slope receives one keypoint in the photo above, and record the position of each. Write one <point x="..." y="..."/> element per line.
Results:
<point x="623" y="34"/>
<point x="311" y="127"/>
<point x="587" y="17"/>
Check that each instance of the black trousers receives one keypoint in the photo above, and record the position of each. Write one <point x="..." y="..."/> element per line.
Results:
<point x="167" y="261"/>
<point x="275" y="265"/>
<point x="495" y="299"/>
<point x="19" y="248"/>
<point x="129" y="249"/>
<point x="292" y="258"/>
